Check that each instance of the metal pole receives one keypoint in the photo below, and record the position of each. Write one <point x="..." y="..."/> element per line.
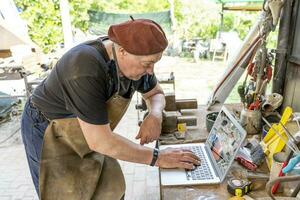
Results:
<point x="66" y="23"/>
<point x="222" y="20"/>
<point x="282" y="46"/>
<point x="172" y="15"/>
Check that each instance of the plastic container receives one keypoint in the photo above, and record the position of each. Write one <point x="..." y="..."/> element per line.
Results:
<point x="251" y="121"/>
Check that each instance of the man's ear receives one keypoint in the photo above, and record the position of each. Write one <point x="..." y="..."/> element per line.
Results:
<point x="122" y="51"/>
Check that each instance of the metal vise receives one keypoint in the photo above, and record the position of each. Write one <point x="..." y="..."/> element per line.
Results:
<point x="171" y="120"/>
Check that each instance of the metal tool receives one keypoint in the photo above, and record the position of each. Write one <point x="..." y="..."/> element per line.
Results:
<point x="258" y="175"/>
<point x="238" y="187"/>
<point x="297" y="134"/>
<point x="290" y="136"/>
<point x="296" y="118"/>
<point x="291" y="145"/>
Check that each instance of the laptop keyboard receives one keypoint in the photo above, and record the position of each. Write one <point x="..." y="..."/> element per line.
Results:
<point x="201" y="172"/>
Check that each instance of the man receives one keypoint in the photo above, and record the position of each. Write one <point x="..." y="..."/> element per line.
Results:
<point x="91" y="85"/>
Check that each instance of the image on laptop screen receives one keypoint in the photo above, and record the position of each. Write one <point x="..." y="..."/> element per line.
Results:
<point x="224" y="141"/>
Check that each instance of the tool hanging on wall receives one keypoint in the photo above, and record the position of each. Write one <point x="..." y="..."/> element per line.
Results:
<point x="266" y="23"/>
<point x="260" y="72"/>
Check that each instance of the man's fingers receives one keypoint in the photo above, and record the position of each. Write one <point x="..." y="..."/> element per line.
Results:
<point x="175" y="149"/>
<point x="183" y="149"/>
<point x="190" y="160"/>
<point x="186" y="165"/>
<point x="148" y="140"/>
<point x="138" y="135"/>
<point x="190" y="154"/>
<point x="143" y="140"/>
<point x="152" y="140"/>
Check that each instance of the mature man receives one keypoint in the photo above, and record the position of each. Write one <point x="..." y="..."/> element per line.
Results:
<point x="67" y="124"/>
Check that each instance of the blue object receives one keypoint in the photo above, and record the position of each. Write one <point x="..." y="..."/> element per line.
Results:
<point x="292" y="163"/>
<point x="6" y="104"/>
<point x="33" y="126"/>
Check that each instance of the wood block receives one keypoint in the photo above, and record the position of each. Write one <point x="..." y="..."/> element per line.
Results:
<point x="170" y="102"/>
<point x="186" y="104"/>
<point x="169" y="123"/>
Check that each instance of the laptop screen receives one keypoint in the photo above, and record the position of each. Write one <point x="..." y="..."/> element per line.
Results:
<point x="224" y="140"/>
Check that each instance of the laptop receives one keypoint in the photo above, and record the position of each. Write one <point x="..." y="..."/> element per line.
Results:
<point x="217" y="154"/>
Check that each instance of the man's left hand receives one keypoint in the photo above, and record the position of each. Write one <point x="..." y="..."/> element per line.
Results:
<point x="150" y="129"/>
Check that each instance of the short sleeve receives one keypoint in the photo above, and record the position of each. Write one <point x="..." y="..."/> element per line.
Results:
<point x="146" y="83"/>
<point x="85" y="96"/>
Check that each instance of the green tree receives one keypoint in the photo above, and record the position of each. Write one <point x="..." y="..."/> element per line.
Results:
<point x="194" y="18"/>
<point x="129" y="6"/>
<point x="197" y="19"/>
<point x="44" y="21"/>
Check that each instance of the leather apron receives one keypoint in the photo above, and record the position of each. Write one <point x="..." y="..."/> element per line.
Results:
<point x="70" y="170"/>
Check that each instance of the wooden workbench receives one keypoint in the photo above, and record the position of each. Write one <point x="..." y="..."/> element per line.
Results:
<point x="218" y="191"/>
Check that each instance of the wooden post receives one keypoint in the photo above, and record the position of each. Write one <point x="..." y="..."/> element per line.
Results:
<point x="66" y="23"/>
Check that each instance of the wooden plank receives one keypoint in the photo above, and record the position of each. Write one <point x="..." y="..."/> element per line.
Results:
<point x="186" y="104"/>
<point x="170" y="102"/>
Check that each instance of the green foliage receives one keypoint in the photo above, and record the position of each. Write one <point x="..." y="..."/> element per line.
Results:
<point x="43" y="22"/>
<point x="129" y="6"/>
<point x="178" y="15"/>
<point x="241" y="22"/>
<point x="196" y="19"/>
<point x="202" y="19"/>
<point x="79" y="15"/>
<point x="199" y="18"/>
<point x="272" y="39"/>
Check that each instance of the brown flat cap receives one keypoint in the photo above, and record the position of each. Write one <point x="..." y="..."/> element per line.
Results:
<point x="139" y="36"/>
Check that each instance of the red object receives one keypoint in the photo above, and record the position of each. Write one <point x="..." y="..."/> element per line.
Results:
<point x="250" y="68"/>
<point x="246" y="163"/>
<point x="255" y="105"/>
<point x="269" y="72"/>
<point x="276" y="185"/>
<point x="139" y="36"/>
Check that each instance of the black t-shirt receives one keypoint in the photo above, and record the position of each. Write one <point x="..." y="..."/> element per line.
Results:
<point x="81" y="83"/>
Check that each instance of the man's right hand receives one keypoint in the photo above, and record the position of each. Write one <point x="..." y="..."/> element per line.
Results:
<point x="177" y="158"/>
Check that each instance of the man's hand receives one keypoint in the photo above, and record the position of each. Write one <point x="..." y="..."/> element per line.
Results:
<point x="177" y="158"/>
<point x="150" y="129"/>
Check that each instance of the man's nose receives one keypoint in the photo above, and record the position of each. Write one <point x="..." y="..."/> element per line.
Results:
<point x="150" y="70"/>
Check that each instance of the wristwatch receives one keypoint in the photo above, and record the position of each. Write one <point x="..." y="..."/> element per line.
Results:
<point x="155" y="156"/>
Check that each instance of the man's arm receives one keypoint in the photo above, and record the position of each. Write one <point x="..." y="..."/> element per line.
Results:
<point x="151" y="127"/>
<point x="155" y="100"/>
<point x="101" y="139"/>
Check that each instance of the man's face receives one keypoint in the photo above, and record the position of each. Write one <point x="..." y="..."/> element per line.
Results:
<point x="133" y="66"/>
